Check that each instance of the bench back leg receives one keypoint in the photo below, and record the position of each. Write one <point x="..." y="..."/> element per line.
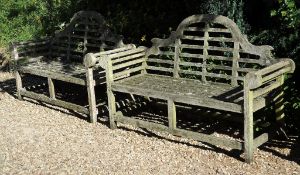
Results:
<point x="248" y="125"/>
<point x="91" y="95"/>
<point x="19" y="85"/>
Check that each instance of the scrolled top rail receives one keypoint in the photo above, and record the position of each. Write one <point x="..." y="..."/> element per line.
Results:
<point x="264" y="51"/>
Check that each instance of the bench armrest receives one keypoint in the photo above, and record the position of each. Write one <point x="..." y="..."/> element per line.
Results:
<point x="256" y="79"/>
<point x="99" y="59"/>
<point x="118" y="63"/>
<point x="27" y="49"/>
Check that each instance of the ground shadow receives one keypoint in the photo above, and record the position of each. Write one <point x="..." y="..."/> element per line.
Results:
<point x="292" y="143"/>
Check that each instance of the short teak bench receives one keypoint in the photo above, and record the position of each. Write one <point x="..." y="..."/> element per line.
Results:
<point x="62" y="58"/>
<point x="206" y="62"/>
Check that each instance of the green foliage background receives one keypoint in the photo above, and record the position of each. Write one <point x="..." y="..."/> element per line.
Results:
<point x="272" y="22"/>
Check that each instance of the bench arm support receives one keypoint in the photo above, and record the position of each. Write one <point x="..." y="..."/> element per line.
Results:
<point x="257" y="78"/>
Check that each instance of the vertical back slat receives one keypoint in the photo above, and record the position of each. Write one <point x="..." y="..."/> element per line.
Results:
<point x="235" y="63"/>
<point x="176" y="58"/>
<point x="69" y="46"/>
<point x="205" y="52"/>
<point x="85" y="41"/>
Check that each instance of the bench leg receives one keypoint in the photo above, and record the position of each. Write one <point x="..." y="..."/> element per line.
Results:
<point x="18" y="84"/>
<point x="172" y="114"/>
<point x="248" y="126"/>
<point x="51" y="88"/>
<point x="91" y="95"/>
<point x="111" y="108"/>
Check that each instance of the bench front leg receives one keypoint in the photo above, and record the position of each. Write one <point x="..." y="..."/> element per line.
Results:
<point x="110" y="95"/>
<point x="248" y="125"/>
<point x="91" y="95"/>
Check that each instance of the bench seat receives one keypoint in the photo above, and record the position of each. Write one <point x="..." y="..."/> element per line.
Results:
<point x="216" y="95"/>
<point x="67" y="71"/>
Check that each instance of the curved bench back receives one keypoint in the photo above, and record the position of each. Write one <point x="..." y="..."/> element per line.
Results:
<point x="87" y="32"/>
<point x="208" y="48"/>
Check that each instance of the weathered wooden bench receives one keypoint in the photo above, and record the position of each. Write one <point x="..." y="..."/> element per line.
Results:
<point x="206" y="62"/>
<point x="62" y="58"/>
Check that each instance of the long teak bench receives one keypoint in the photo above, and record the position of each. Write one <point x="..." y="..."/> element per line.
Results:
<point x="62" y="58"/>
<point x="206" y="62"/>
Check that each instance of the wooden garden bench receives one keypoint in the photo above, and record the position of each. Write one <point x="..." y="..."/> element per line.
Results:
<point x="206" y="62"/>
<point x="62" y="58"/>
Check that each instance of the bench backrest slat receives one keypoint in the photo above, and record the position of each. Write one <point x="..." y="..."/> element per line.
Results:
<point x="87" y="32"/>
<point x="207" y="48"/>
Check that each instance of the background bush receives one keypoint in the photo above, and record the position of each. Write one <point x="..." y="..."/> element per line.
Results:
<point x="272" y="22"/>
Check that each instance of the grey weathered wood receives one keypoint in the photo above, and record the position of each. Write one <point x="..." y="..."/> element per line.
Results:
<point x="129" y="63"/>
<point x="18" y="84"/>
<point x="160" y="61"/>
<point x="266" y="89"/>
<point x="258" y="141"/>
<point x="62" y="57"/>
<point x="127" y="72"/>
<point x="128" y="58"/>
<point x="205" y="53"/>
<point x="235" y="64"/>
<point x="110" y="95"/>
<point x="176" y="58"/>
<point x="194" y="97"/>
<point x="172" y="114"/>
<point x="91" y="95"/>
<point x="206" y="66"/>
<point x="53" y="75"/>
<point x="51" y="88"/>
<point x="248" y="124"/>
<point x="56" y="102"/>
<point x="180" y="132"/>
